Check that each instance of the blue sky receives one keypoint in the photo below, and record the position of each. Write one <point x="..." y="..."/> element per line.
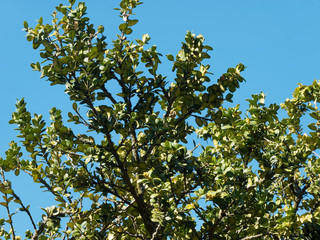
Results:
<point x="278" y="41"/>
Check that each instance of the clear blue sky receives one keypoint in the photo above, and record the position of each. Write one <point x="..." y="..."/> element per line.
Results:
<point x="278" y="41"/>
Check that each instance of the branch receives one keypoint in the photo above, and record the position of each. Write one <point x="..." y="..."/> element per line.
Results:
<point x="136" y="227"/>
<point x="198" y="145"/>
<point x="222" y="214"/>
<point x="25" y="210"/>
<point x="203" y="118"/>
<point x="134" y="145"/>
<point x="180" y="119"/>
<point x="106" y="92"/>
<point x="8" y="209"/>
<point x="138" y="198"/>
<point x="113" y="190"/>
<point x="316" y="154"/>
<point x="169" y="106"/>
<point x="44" y="183"/>
<point x="252" y="237"/>
<point x="154" y="235"/>
<point x="40" y="230"/>
<point x="43" y="224"/>
<point x="188" y="114"/>
<point x="315" y="206"/>
<point x="84" y="122"/>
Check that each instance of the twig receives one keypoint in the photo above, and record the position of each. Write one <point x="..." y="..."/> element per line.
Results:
<point x="252" y="237"/>
<point x="154" y="235"/>
<point x="316" y="154"/>
<point x="108" y="94"/>
<point x="25" y="209"/>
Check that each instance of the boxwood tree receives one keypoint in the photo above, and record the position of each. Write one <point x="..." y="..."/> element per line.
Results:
<point x="129" y="172"/>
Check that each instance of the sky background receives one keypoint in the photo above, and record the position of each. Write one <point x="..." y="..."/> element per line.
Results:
<point x="277" y="40"/>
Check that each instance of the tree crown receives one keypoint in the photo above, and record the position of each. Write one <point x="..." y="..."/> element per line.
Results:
<point x="132" y="173"/>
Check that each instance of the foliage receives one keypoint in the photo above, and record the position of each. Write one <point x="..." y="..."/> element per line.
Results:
<point x="132" y="174"/>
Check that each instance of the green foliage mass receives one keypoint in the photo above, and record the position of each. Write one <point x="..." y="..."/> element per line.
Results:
<point x="132" y="173"/>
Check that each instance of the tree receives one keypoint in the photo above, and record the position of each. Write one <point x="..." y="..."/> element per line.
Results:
<point x="131" y="174"/>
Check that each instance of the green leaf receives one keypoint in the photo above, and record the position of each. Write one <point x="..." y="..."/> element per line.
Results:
<point x="17" y="172"/>
<point x="75" y="106"/>
<point x="123" y="26"/>
<point x="8" y="191"/>
<point x="208" y="48"/>
<point x="25" y="25"/>
<point x="145" y="38"/>
<point x="132" y="22"/>
<point x="72" y="2"/>
<point x="72" y="34"/>
<point x="240" y="67"/>
<point x="58" y="189"/>
<point x="100" y="29"/>
<point x="226" y="127"/>
<point x="127" y="31"/>
<point x="190" y="206"/>
<point x="315" y="115"/>
<point x="40" y="21"/>
<point x="199" y="121"/>
<point x="229" y="97"/>
<point x="312" y="126"/>
<point x="170" y="57"/>
<point x="18" y="201"/>
<point x="123" y="95"/>
<point x="30" y="149"/>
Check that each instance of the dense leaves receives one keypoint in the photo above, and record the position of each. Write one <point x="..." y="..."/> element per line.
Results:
<point x="132" y="174"/>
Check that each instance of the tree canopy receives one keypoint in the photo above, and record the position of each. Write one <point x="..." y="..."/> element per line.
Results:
<point x="160" y="158"/>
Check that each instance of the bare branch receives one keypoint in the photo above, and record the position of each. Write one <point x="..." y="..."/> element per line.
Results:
<point x="25" y="209"/>
<point x="108" y="94"/>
